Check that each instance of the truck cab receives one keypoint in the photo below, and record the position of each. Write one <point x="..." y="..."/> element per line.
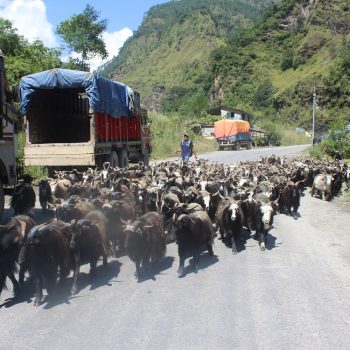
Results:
<point x="8" y="137"/>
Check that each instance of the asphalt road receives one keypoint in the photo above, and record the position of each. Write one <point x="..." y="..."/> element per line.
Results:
<point x="295" y="295"/>
<point x="253" y="154"/>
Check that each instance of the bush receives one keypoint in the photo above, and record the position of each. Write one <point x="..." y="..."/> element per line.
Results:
<point x="263" y="94"/>
<point x="260" y="141"/>
<point x="274" y="138"/>
<point x="316" y="152"/>
<point x="338" y="141"/>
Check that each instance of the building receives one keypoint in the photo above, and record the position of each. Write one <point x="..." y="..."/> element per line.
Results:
<point x="231" y="113"/>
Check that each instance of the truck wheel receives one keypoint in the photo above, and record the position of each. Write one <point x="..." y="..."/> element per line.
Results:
<point x="123" y="158"/>
<point x="238" y="147"/>
<point x="2" y="200"/>
<point x="249" y="145"/>
<point x="221" y="148"/>
<point x="113" y="159"/>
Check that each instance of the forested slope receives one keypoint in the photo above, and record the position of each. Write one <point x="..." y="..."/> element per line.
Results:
<point x="193" y="54"/>
<point x="167" y="59"/>
<point x="273" y="67"/>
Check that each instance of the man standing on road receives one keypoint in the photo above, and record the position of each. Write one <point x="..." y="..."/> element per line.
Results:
<point x="186" y="149"/>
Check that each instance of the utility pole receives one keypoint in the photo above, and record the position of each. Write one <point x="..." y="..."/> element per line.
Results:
<point x="313" y="116"/>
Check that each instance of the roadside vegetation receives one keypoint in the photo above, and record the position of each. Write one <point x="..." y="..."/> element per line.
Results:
<point x="338" y="140"/>
<point x="167" y="133"/>
<point x="167" y="130"/>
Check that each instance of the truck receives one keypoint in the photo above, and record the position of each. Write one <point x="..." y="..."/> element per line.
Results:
<point x="80" y="119"/>
<point x="233" y="134"/>
<point x="8" y="138"/>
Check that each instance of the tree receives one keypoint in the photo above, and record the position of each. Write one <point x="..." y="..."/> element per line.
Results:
<point x="31" y="58"/>
<point x="83" y="33"/>
<point x="22" y="57"/>
<point x="75" y="64"/>
<point x="263" y="94"/>
<point x="10" y="41"/>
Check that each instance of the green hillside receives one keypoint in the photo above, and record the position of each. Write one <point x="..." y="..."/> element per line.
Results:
<point x="271" y="69"/>
<point x="189" y="55"/>
<point x="167" y="59"/>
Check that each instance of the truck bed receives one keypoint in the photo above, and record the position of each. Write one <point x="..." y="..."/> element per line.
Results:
<point x="58" y="116"/>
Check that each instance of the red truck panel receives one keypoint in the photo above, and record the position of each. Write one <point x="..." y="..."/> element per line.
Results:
<point x="117" y="129"/>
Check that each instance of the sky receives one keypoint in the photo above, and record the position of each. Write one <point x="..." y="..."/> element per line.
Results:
<point x="37" y="19"/>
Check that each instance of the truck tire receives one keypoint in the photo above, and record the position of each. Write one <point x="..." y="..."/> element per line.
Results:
<point x="221" y="148"/>
<point x="123" y="158"/>
<point x="2" y="200"/>
<point x="113" y="159"/>
<point x="238" y="147"/>
<point x="249" y="145"/>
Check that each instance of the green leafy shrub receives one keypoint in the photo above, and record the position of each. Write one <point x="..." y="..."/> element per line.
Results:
<point x="316" y="152"/>
<point x="274" y="138"/>
<point x="264" y="93"/>
<point x="260" y="141"/>
<point x="338" y="141"/>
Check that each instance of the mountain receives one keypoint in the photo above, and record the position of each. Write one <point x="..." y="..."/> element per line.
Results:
<point x="167" y="59"/>
<point x="271" y="69"/>
<point x="260" y="56"/>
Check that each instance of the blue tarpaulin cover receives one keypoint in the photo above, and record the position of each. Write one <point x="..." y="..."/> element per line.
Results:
<point x="105" y="96"/>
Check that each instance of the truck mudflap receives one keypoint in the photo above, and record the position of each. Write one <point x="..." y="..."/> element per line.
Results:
<point x="73" y="154"/>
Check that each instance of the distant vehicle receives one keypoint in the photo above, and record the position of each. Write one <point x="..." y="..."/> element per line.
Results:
<point x="300" y="131"/>
<point x="8" y="137"/>
<point x="79" y="119"/>
<point x="233" y="134"/>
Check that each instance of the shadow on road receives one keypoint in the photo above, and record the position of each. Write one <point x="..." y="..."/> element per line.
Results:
<point x="24" y="296"/>
<point x="205" y="260"/>
<point x="103" y="277"/>
<point x="164" y="264"/>
<point x="271" y="242"/>
<point x="240" y="243"/>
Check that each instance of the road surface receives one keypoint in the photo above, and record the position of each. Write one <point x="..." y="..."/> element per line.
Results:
<point x="295" y="295"/>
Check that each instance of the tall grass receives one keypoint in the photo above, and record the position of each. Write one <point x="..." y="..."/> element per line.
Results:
<point x="167" y="133"/>
<point x="287" y="132"/>
<point x="291" y="137"/>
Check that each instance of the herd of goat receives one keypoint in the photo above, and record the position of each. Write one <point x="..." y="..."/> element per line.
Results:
<point x="138" y="210"/>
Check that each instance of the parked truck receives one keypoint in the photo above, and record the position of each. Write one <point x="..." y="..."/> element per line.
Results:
<point x="8" y="137"/>
<point x="80" y="119"/>
<point x="233" y="134"/>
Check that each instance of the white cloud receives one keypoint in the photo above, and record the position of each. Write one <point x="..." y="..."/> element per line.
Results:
<point x="29" y="17"/>
<point x="114" y="41"/>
